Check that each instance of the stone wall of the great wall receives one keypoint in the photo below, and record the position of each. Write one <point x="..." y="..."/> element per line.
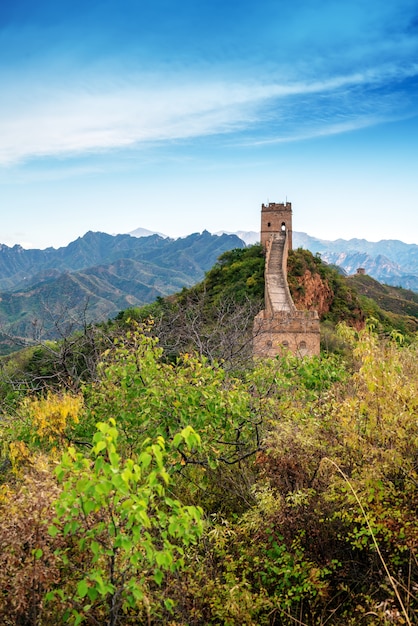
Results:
<point x="296" y="332"/>
<point x="281" y="327"/>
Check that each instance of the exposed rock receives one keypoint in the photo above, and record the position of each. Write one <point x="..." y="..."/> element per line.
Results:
<point x="313" y="293"/>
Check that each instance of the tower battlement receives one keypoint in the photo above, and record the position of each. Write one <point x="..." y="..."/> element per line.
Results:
<point x="276" y="205"/>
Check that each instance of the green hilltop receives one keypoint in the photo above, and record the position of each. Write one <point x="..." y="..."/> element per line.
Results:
<point x="215" y="317"/>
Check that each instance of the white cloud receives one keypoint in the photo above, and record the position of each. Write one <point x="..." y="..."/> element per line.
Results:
<point x="57" y="123"/>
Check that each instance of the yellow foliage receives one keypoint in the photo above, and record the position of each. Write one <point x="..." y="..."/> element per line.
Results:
<point x="6" y="495"/>
<point x="19" y="455"/>
<point x="29" y="566"/>
<point x="53" y="414"/>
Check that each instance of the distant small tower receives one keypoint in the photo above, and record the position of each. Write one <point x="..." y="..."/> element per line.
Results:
<point x="276" y="217"/>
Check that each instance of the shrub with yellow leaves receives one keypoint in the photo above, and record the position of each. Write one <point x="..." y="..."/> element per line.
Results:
<point x="28" y="564"/>
<point x="53" y="415"/>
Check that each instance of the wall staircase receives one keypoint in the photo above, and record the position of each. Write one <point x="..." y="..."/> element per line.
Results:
<point x="277" y="294"/>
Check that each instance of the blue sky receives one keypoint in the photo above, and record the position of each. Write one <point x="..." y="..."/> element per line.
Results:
<point x="181" y="116"/>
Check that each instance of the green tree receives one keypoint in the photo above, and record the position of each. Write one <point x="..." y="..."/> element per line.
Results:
<point x="121" y="526"/>
<point x="150" y="397"/>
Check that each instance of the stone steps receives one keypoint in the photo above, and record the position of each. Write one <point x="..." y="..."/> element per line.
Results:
<point x="276" y="281"/>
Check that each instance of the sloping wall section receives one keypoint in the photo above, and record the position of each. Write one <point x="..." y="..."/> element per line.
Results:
<point x="280" y="326"/>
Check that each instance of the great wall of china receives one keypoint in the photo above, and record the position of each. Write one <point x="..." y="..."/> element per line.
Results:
<point x="280" y="326"/>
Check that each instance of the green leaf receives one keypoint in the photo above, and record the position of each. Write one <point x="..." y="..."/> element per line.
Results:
<point x="38" y="553"/>
<point x="53" y="531"/>
<point x="177" y="440"/>
<point x="92" y="593"/>
<point x="164" y="559"/>
<point x="126" y="475"/>
<point x="114" y="459"/>
<point x="100" y="445"/>
<point x="89" y="506"/>
<point x="82" y="588"/>
<point x="158" y="576"/>
<point x="103" y="487"/>
<point x="145" y="459"/>
<point x="78" y="619"/>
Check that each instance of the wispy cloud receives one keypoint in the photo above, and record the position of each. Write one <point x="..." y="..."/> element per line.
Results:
<point x="83" y="121"/>
<point x="325" y="131"/>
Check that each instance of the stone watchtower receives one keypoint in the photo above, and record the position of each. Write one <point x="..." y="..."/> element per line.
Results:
<point x="280" y="326"/>
<point x="274" y="219"/>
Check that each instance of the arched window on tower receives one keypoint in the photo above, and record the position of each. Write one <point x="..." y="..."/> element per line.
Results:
<point x="283" y="227"/>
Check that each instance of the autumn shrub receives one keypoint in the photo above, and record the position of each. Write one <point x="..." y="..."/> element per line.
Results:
<point x="44" y="422"/>
<point x="29" y="566"/>
<point x="184" y="495"/>
<point x="244" y="572"/>
<point x="347" y="472"/>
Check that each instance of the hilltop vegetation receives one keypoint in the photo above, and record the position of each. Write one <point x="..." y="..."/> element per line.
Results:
<point x="215" y="318"/>
<point x="394" y="307"/>
<point x="152" y="473"/>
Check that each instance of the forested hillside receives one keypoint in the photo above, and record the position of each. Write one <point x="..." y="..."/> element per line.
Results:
<point x="215" y="317"/>
<point x="151" y="472"/>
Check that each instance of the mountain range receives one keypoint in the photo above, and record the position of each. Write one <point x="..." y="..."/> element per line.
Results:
<point x="389" y="261"/>
<point x="48" y="293"/>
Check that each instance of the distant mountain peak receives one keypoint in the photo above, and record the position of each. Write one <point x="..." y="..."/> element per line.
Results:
<point x="248" y="236"/>
<point x="144" y="232"/>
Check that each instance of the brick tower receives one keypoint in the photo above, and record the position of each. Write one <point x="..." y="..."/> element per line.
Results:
<point x="276" y="217"/>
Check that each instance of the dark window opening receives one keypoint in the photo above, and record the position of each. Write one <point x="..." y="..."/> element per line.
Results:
<point x="303" y="348"/>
